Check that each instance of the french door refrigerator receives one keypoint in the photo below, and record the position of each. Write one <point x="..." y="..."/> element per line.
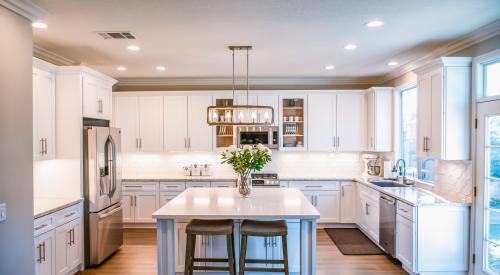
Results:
<point x="102" y="191"/>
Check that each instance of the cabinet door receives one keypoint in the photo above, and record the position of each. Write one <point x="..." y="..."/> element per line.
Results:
<point x="258" y="248"/>
<point x="175" y="123"/>
<point x="424" y="114"/>
<point x="293" y="243"/>
<point x="104" y="101"/>
<point x="44" y="254"/>
<point x="126" y="117"/>
<point x="216" y="247"/>
<point x="128" y="207"/>
<point x="273" y="101"/>
<point x="74" y="250"/>
<point x="309" y="196"/>
<point x="200" y="133"/>
<point x="165" y="198"/>
<point x="351" y="122"/>
<point x="372" y="208"/>
<point x="434" y="143"/>
<point x="151" y="123"/>
<point x="383" y="121"/>
<point x="145" y="204"/>
<point x="180" y="246"/>
<point x="321" y="122"/>
<point x="43" y="114"/>
<point x="90" y="93"/>
<point x="362" y="213"/>
<point x="61" y="249"/>
<point x="328" y="205"/>
<point x="348" y="202"/>
<point x="404" y="241"/>
<point x="370" y="121"/>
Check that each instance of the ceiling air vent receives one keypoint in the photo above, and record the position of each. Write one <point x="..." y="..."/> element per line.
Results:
<point x="117" y="35"/>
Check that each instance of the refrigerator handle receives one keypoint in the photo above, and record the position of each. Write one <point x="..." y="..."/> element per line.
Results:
<point x="111" y="164"/>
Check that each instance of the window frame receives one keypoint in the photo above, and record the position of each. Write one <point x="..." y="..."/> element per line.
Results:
<point x="479" y="75"/>
<point x="400" y="127"/>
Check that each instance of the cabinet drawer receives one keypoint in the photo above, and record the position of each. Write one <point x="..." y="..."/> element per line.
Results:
<point x="405" y="210"/>
<point x="140" y="186"/>
<point x="315" y="185"/>
<point x="368" y="192"/>
<point x="198" y="184"/>
<point x="172" y="186"/>
<point x="43" y="224"/>
<point x="67" y="214"/>
<point x="223" y="184"/>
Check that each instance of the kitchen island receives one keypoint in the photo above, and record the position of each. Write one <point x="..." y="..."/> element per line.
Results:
<point x="226" y="203"/>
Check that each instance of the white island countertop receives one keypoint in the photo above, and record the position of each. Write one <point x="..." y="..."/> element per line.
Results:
<point x="227" y="203"/>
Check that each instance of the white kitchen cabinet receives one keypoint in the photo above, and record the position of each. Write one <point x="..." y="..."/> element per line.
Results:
<point x="45" y="254"/>
<point x="198" y="184"/>
<point x="368" y="211"/>
<point x="175" y="111"/>
<point x="444" y="118"/>
<point x="180" y="246"/>
<point x="223" y="184"/>
<point x="68" y="247"/>
<point x="348" y="196"/>
<point x="44" y="102"/>
<point x="324" y="195"/>
<point x="200" y="133"/>
<point x="186" y="126"/>
<point x="379" y="119"/>
<point x="336" y="122"/>
<point x="97" y="97"/>
<point x="140" y="200"/>
<point x="141" y="121"/>
<point x="404" y="241"/>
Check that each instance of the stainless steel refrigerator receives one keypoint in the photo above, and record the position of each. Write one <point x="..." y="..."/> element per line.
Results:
<point x="102" y="191"/>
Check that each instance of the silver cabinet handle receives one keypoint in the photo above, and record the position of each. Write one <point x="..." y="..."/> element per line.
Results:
<point x="140" y="143"/>
<point x="41" y="226"/>
<point x="403" y="210"/>
<point x="135" y="200"/>
<point x="313" y="186"/>
<point x="371" y="142"/>
<point x="185" y="143"/>
<point x="137" y="143"/>
<point x="69" y="215"/>
<point x="425" y="144"/>
<point x="338" y="141"/>
<point x="43" y="250"/>
<point x="46" y="146"/>
<point x="99" y="105"/>
<point x="39" y="250"/>
<point x="189" y="142"/>
<point x="69" y="233"/>
<point x="73" y="236"/>
<point x="41" y="146"/>
<point x="342" y="191"/>
<point x="366" y="208"/>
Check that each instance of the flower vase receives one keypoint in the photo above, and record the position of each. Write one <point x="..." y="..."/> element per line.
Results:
<point x="244" y="185"/>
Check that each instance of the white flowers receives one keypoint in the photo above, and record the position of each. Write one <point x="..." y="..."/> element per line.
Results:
<point x="247" y="147"/>
<point x="232" y="148"/>
<point x="260" y="147"/>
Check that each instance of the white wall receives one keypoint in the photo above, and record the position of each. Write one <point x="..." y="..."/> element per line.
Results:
<point x="286" y="164"/>
<point x="16" y="144"/>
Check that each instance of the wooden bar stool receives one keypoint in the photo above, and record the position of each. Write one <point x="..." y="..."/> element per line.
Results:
<point x="209" y="228"/>
<point x="263" y="229"/>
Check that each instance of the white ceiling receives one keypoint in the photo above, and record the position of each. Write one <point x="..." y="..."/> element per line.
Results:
<point x="291" y="38"/>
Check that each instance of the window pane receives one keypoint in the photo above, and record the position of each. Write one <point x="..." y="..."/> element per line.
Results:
<point x="494" y="194"/>
<point x="492" y="79"/>
<point x="409" y="130"/>
<point x="493" y="258"/>
<point x="493" y="222"/>
<point x="494" y="130"/>
<point x="494" y="156"/>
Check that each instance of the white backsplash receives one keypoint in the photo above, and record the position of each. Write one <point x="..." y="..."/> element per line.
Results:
<point x="286" y="164"/>
<point x="58" y="178"/>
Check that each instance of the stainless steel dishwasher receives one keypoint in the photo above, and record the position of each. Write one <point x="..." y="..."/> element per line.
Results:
<point x="387" y="238"/>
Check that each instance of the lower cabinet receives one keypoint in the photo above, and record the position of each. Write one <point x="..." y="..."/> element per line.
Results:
<point x="45" y="254"/>
<point x="58" y="242"/>
<point x="404" y="241"/>
<point x="368" y="212"/>
<point x="140" y="201"/>
<point x="269" y="248"/>
<point x="348" y="197"/>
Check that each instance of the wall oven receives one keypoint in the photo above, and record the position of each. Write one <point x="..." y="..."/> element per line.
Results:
<point x="252" y="135"/>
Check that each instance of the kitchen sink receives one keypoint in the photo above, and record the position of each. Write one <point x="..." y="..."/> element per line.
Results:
<point x="387" y="183"/>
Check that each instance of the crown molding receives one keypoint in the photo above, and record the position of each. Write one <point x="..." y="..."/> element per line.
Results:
<point x="459" y="44"/>
<point x="227" y="81"/>
<point x="51" y="57"/>
<point x="25" y="8"/>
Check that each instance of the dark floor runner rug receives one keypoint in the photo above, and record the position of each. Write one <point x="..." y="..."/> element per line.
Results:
<point x="351" y="241"/>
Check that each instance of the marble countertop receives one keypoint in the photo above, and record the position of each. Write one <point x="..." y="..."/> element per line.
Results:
<point x="413" y="195"/>
<point x="227" y="203"/>
<point x="179" y="178"/>
<point x="46" y="206"/>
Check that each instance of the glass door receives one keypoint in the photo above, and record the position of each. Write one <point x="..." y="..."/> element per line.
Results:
<point x="487" y="236"/>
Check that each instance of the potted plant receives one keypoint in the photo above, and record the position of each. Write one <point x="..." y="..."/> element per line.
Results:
<point x="244" y="161"/>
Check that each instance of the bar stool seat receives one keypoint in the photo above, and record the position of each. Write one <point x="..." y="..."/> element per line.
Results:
<point x="209" y="228"/>
<point x="254" y="228"/>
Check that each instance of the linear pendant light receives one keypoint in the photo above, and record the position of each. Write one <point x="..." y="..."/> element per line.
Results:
<point x="240" y="114"/>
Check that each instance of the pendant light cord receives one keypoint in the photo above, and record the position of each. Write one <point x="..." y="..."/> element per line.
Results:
<point x="248" y="85"/>
<point x="233" y="79"/>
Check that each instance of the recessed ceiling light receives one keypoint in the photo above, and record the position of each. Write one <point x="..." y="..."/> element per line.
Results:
<point x="133" y="48"/>
<point x="374" y="24"/>
<point x="329" y="67"/>
<point x="350" y="46"/>
<point x="160" y="68"/>
<point x="392" y="63"/>
<point x="39" y="25"/>
<point x="121" y="68"/>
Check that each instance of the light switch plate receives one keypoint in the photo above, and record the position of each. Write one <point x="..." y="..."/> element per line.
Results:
<point x="3" y="212"/>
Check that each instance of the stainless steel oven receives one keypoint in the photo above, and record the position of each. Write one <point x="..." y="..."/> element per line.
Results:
<point x="252" y="135"/>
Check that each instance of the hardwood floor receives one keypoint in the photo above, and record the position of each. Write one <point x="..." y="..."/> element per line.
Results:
<point x="138" y="257"/>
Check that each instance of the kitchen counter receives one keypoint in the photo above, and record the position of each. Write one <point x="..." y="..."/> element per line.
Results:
<point x="46" y="206"/>
<point x="413" y="195"/>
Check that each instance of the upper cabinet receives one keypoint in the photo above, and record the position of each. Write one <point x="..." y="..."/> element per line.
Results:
<point x="96" y="90"/>
<point x="379" y="119"/>
<point x="444" y="92"/>
<point x="293" y="132"/>
<point x="336" y="122"/>
<point x="44" y="111"/>
<point x="141" y="121"/>
<point x="199" y="132"/>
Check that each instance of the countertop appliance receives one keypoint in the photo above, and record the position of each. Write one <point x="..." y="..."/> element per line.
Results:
<point x="387" y="222"/>
<point x="102" y="192"/>
<point x="265" y="180"/>
<point x="252" y="135"/>
<point x="372" y="166"/>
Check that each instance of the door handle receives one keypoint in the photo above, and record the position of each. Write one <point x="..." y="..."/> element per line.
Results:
<point x="137" y="143"/>
<point x="338" y="141"/>
<point x="41" y="146"/>
<point x="43" y="248"/>
<point x="99" y="105"/>
<point x="189" y="142"/>
<point x="425" y="144"/>
<point x="140" y="143"/>
<point x="342" y="191"/>
<point x="366" y="209"/>
<point x="39" y="250"/>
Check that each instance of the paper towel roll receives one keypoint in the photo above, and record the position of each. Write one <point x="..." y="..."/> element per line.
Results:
<point x="387" y="169"/>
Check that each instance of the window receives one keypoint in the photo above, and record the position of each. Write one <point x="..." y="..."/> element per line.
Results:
<point x="409" y="130"/>
<point x="492" y="78"/>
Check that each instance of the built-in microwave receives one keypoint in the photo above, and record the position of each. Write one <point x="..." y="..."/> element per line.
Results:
<point x="252" y="135"/>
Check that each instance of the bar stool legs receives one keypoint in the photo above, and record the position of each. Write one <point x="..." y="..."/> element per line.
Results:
<point x="243" y="253"/>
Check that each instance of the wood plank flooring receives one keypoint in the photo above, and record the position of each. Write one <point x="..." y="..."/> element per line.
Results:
<point x="138" y="257"/>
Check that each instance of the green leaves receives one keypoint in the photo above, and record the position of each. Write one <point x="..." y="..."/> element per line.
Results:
<point x="247" y="159"/>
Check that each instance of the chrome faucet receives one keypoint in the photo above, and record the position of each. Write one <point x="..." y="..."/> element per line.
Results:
<point x="395" y="169"/>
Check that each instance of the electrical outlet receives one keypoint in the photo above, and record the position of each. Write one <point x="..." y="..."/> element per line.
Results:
<point x="3" y="212"/>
